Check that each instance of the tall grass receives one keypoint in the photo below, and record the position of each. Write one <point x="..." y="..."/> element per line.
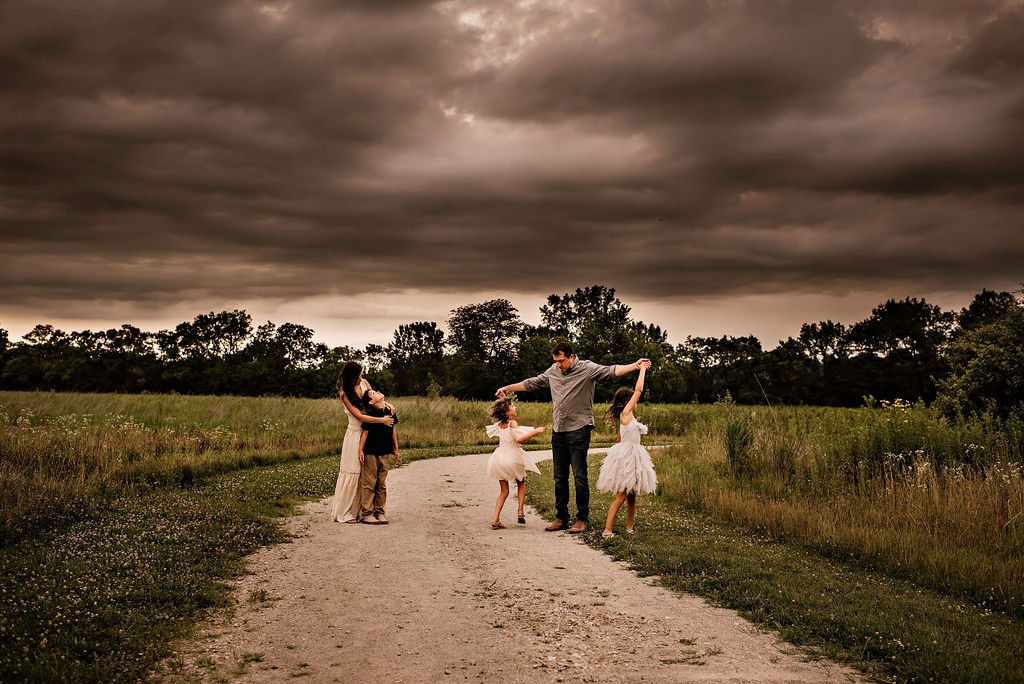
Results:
<point x="896" y="489"/>
<point x="739" y="437"/>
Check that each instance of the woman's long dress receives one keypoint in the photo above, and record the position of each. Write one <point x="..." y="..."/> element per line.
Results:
<point x="346" y="491"/>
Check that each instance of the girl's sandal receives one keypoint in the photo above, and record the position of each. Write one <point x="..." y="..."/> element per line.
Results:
<point x="497" y="526"/>
<point x="630" y="530"/>
<point x="607" y="535"/>
<point x="521" y="519"/>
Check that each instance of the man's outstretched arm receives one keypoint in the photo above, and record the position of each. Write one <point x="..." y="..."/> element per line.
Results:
<point x="621" y="370"/>
<point x="515" y="387"/>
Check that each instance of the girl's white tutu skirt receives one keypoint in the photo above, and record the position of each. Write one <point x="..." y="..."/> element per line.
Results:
<point x="510" y="463"/>
<point x="627" y="468"/>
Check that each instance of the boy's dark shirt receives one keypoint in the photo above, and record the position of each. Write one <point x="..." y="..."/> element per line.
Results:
<point x="380" y="438"/>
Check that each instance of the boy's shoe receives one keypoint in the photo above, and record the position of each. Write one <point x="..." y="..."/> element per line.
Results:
<point x="577" y="527"/>
<point x="381" y="518"/>
<point x="369" y="520"/>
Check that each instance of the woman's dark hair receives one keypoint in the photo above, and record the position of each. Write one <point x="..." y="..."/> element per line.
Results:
<point x="499" y="410"/>
<point x="619" y="401"/>
<point x="347" y="382"/>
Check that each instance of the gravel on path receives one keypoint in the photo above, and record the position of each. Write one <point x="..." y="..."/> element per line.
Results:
<point x="437" y="596"/>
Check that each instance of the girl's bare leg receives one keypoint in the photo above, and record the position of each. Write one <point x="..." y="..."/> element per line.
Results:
<point x="630" y="511"/>
<point x="521" y="492"/>
<point x="613" y="510"/>
<point x="502" y="495"/>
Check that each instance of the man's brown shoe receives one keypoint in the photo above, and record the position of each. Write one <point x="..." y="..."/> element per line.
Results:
<point x="577" y="527"/>
<point x="555" y="525"/>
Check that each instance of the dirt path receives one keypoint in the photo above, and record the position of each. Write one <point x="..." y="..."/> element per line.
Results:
<point x="438" y="596"/>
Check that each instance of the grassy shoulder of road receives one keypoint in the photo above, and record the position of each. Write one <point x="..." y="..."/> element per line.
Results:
<point x="891" y="629"/>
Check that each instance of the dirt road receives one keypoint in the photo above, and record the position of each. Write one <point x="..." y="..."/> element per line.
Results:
<point x="438" y="596"/>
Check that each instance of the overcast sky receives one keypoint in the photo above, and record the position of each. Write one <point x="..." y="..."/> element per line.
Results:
<point x="729" y="167"/>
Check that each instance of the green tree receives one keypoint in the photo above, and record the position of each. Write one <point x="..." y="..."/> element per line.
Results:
<point x="208" y="336"/>
<point x="46" y="335"/>
<point x="912" y="325"/>
<point x="416" y="357"/>
<point x="488" y="331"/>
<point x="724" y="364"/>
<point x="129" y="355"/>
<point x="900" y="351"/>
<point x="988" y="306"/>
<point x="824" y="340"/>
<point x="671" y="378"/>
<point x="484" y="343"/>
<point x="598" y="324"/>
<point x="281" y="360"/>
<point x="115" y="360"/>
<point x="600" y="328"/>
<point x="592" y="318"/>
<point x="205" y="356"/>
<point x="986" y="369"/>
<point x="788" y="375"/>
<point x="42" y="361"/>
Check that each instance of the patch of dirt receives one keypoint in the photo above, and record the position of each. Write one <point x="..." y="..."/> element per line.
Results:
<point x="438" y="596"/>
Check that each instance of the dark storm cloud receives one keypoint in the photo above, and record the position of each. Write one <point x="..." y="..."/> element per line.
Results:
<point x="177" y="130"/>
<point x="163" y="152"/>
<point x="666" y="64"/>
<point x="995" y="52"/>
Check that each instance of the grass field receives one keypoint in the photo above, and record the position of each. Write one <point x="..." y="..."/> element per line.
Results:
<point x="123" y="515"/>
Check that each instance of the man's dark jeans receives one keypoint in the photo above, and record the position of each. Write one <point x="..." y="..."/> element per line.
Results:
<point x="570" y="450"/>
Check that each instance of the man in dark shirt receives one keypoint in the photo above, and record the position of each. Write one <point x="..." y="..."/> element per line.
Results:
<point x="377" y="445"/>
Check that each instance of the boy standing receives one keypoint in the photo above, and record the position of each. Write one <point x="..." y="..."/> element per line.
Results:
<point x="378" y="443"/>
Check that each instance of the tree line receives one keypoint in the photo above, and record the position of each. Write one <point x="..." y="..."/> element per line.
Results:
<point x="970" y="359"/>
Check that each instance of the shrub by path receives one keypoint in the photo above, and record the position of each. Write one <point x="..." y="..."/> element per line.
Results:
<point x="438" y="595"/>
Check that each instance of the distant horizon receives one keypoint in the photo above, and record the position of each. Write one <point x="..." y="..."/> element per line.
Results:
<point x="948" y="302"/>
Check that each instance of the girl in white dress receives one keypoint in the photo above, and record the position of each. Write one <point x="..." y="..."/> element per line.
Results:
<point x="351" y="387"/>
<point x="627" y="470"/>
<point x="509" y="461"/>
